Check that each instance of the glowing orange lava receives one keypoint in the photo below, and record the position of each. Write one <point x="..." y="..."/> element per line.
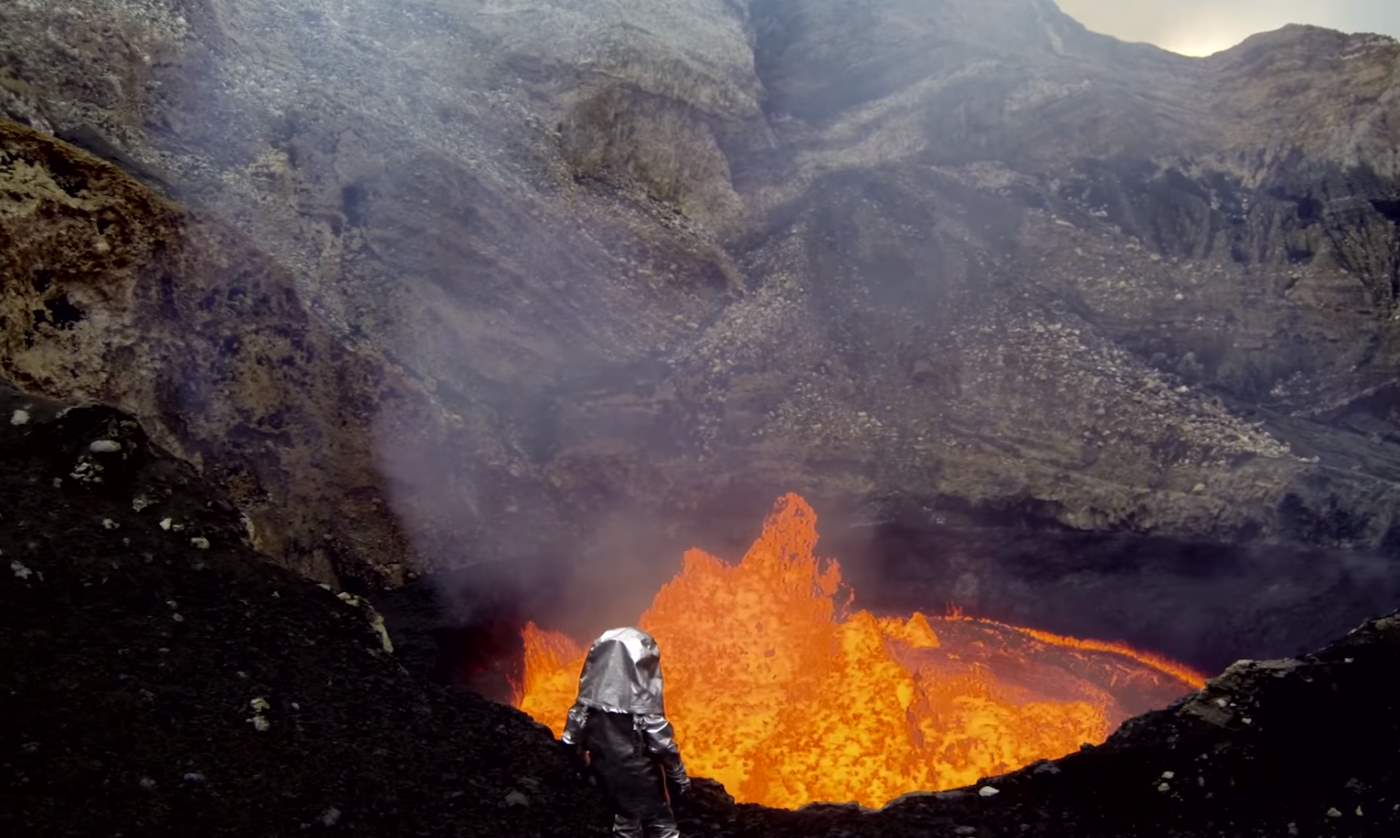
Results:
<point x="786" y="696"/>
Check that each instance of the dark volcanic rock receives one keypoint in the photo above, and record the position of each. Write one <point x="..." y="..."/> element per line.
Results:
<point x="162" y="679"/>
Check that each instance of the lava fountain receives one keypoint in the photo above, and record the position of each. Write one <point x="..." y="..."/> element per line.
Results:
<point x="788" y="696"/>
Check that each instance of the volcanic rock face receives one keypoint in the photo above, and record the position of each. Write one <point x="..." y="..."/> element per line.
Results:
<point x="471" y="279"/>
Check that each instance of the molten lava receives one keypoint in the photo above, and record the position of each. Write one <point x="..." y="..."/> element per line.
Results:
<point x="787" y="697"/>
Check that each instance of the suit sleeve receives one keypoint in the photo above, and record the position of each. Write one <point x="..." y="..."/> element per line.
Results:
<point x="573" y="728"/>
<point x="660" y="739"/>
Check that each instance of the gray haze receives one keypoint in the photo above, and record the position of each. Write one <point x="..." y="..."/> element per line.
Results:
<point x="1201" y="27"/>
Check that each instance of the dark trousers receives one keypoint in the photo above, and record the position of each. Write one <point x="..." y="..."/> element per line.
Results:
<point x="630" y="776"/>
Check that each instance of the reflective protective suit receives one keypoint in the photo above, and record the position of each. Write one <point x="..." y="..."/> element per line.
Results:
<point x="620" y="720"/>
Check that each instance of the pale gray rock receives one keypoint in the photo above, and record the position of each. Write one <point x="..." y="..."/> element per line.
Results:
<point x="508" y="272"/>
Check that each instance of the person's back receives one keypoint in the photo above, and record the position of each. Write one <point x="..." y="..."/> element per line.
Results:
<point x="619" y="721"/>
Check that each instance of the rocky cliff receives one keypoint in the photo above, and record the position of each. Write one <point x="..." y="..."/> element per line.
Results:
<point x="436" y="282"/>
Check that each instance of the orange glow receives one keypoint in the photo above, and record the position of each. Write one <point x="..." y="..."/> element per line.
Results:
<point x="781" y="692"/>
<point x="1180" y="672"/>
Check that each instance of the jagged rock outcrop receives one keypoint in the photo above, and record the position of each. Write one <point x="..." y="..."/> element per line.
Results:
<point x="167" y="680"/>
<point x="114" y="295"/>
<point x="639" y="260"/>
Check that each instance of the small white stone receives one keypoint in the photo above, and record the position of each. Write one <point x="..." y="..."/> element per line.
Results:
<point x="516" y="798"/>
<point x="165" y="524"/>
<point x="988" y="791"/>
<point x="1334" y="812"/>
<point x="139" y="503"/>
<point x="179" y="618"/>
<point x="200" y="542"/>
<point x="1222" y="702"/>
<point x="19" y="417"/>
<point x="330" y="817"/>
<point x="1164" y="788"/>
<point x="147" y="783"/>
<point x="260" y="724"/>
<point x="1247" y="720"/>
<point x="1168" y="775"/>
<point x="109" y="524"/>
<point x="105" y="446"/>
<point x="21" y="572"/>
<point x="87" y="471"/>
<point x="260" y="705"/>
<point x="195" y="777"/>
<point x="1359" y="813"/>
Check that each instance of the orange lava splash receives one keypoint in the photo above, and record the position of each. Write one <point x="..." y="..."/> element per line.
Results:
<point x="787" y="696"/>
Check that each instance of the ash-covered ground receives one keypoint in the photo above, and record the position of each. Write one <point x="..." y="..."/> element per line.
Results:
<point x="161" y="678"/>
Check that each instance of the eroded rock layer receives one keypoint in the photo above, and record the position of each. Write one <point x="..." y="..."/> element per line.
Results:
<point x="474" y="280"/>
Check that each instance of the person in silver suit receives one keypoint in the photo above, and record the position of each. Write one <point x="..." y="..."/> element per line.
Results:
<point x="619" y="729"/>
